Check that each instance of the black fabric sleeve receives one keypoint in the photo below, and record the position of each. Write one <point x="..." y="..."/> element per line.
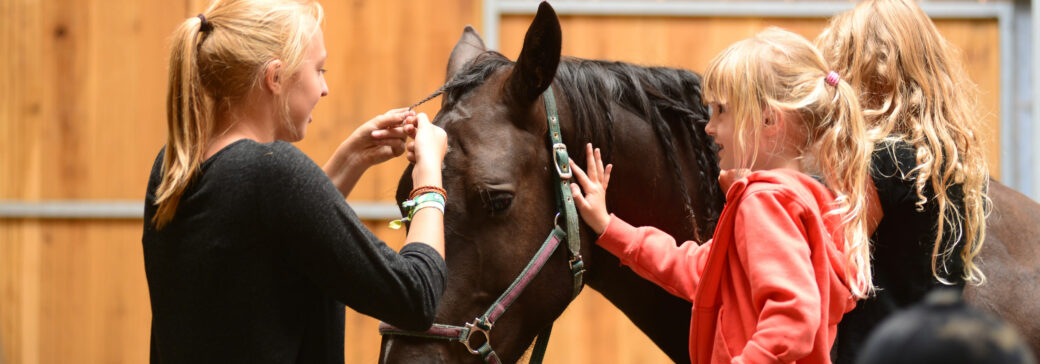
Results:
<point x="326" y="240"/>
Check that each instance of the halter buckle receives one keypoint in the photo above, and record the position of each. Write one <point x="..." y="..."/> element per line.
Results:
<point x="476" y="326"/>
<point x="565" y="170"/>
<point x="577" y="264"/>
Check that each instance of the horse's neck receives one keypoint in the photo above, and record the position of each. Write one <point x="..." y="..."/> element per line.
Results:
<point x="648" y="191"/>
<point x="644" y="192"/>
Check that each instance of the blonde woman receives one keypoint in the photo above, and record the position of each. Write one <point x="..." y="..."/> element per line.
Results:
<point x="250" y="249"/>
<point x="788" y="256"/>
<point x="928" y="166"/>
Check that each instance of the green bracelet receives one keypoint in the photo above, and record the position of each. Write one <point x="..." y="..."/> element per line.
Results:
<point x="429" y="199"/>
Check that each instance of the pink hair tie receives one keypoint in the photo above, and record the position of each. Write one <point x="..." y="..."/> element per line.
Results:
<point x="832" y="78"/>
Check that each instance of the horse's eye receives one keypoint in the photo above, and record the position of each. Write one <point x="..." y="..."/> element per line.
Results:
<point x="498" y="201"/>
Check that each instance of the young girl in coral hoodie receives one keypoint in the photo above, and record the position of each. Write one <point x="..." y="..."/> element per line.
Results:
<point x="789" y="256"/>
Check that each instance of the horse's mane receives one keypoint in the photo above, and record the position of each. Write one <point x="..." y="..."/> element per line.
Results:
<point x="657" y="94"/>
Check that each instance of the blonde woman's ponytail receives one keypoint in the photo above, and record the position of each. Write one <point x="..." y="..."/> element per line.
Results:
<point x="216" y="60"/>
<point x="188" y="121"/>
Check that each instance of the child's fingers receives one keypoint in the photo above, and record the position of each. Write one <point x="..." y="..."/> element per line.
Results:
<point x="590" y="162"/>
<point x="580" y="175"/>
<point x="579" y="199"/>
<point x="599" y="164"/>
<point x="606" y="176"/>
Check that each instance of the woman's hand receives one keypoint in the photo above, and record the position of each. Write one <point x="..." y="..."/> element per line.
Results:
<point x="380" y="139"/>
<point x="593" y="204"/>
<point x="374" y="142"/>
<point x="426" y="151"/>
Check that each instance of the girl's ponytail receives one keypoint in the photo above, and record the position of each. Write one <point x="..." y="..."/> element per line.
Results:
<point x="843" y="153"/>
<point x="188" y="121"/>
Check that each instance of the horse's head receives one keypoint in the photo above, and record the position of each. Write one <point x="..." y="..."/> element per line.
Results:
<point x="501" y="182"/>
<point x="498" y="175"/>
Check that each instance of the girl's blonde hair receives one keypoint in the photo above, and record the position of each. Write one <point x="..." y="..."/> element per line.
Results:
<point x="779" y="71"/>
<point x="914" y="88"/>
<point x="214" y="67"/>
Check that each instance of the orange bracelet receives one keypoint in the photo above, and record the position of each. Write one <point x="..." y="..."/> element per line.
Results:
<point x="425" y="189"/>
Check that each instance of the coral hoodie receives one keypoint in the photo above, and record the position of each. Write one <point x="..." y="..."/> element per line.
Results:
<point x="769" y="287"/>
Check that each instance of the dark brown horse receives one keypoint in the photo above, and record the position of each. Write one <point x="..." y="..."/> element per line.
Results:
<point x="650" y="124"/>
<point x="499" y="177"/>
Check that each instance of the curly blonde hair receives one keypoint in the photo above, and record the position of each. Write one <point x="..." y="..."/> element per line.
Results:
<point x="780" y="70"/>
<point x="215" y="67"/>
<point x="914" y="88"/>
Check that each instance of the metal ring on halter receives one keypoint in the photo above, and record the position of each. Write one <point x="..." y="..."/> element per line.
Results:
<point x="556" y="219"/>
<point x="476" y="328"/>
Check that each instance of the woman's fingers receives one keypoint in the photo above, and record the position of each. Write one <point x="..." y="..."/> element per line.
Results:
<point x="392" y="118"/>
<point x="390" y="133"/>
<point x="410" y="151"/>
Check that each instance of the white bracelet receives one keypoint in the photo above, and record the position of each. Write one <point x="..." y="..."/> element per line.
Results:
<point x="435" y="204"/>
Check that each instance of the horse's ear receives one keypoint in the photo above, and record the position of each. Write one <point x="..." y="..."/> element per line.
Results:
<point x="469" y="46"/>
<point x="536" y="66"/>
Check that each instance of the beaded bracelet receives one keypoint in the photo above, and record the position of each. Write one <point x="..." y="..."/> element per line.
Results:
<point x="428" y="199"/>
<point x="425" y="189"/>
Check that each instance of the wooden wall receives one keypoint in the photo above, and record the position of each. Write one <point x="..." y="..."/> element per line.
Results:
<point x="82" y="84"/>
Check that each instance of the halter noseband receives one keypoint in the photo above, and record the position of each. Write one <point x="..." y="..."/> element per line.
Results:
<point x="565" y="206"/>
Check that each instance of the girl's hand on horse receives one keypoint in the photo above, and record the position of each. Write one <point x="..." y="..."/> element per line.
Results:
<point x="593" y="204"/>
<point x="379" y="139"/>
<point x="426" y="151"/>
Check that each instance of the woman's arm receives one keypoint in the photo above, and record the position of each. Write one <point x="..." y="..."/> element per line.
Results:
<point x="427" y="151"/>
<point x="314" y="229"/>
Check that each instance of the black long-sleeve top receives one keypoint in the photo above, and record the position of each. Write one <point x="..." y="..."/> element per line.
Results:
<point x="260" y="258"/>
<point x="902" y="247"/>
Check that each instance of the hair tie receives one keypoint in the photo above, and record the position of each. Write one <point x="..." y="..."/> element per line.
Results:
<point x="832" y="78"/>
<point x="206" y="25"/>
